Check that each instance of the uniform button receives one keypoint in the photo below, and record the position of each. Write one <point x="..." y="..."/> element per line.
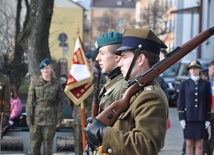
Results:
<point x="196" y="88"/>
<point x="109" y="150"/>
<point x="196" y="100"/>
<point x="196" y="93"/>
<point x="196" y="105"/>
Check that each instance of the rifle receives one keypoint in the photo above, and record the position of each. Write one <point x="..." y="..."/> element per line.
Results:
<point x="95" y="104"/>
<point x="94" y="112"/>
<point x="110" y="115"/>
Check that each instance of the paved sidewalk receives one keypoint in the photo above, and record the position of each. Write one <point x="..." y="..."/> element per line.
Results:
<point x="173" y="141"/>
<point x="174" y="137"/>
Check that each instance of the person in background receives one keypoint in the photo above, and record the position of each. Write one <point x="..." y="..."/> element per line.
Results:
<point x="164" y="86"/>
<point x="194" y="107"/>
<point x="15" y="110"/>
<point x="141" y="129"/>
<point x="211" y="79"/>
<point x="15" y="107"/>
<point x="206" y="145"/>
<point x="44" y="109"/>
<point x="160" y="79"/>
<point x="163" y="83"/>
<point x="94" y="69"/>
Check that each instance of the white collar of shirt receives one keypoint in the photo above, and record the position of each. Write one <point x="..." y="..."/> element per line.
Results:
<point x="195" y="78"/>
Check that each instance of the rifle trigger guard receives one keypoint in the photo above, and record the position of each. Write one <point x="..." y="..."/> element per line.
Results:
<point x="139" y="84"/>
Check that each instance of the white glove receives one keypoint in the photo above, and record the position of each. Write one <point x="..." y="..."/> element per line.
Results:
<point x="207" y="124"/>
<point x="183" y="123"/>
<point x="11" y="123"/>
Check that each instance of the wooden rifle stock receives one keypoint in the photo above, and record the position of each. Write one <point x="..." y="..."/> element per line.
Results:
<point x="95" y="104"/>
<point x="94" y="111"/>
<point x="110" y="115"/>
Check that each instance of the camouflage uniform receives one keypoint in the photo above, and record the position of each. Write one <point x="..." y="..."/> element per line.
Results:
<point x="5" y="95"/>
<point x="77" y="116"/>
<point x="44" y="111"/>
<point x="113" y="90"/>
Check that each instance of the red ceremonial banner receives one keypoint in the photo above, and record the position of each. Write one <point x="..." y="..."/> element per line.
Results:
<point x="79" y="84"/>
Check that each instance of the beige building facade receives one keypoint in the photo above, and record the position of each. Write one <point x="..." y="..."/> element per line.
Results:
<point x="156" y="14"/>
<point x="111" y="15"/>
<point x="67" y="19"/>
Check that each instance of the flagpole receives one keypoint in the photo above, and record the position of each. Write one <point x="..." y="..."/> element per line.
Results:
<point x="83" y="125"/>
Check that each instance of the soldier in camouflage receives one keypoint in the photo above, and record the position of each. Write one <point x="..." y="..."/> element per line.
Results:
<point x="44" y="109"/>
<point x="114" y="88"/>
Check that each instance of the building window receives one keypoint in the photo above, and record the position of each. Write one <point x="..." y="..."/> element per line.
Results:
<point x="119" y="3"/>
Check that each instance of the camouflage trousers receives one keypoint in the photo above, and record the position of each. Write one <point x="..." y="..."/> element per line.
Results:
<point x="41" y="135"/>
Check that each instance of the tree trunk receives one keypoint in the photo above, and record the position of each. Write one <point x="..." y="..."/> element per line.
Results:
<point x="34" y="38"/>
<point x="17" y="66"/>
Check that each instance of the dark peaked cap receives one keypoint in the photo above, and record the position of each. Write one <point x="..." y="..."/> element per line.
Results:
<point x="133" y="37"/>
<point x="194" y="64"/>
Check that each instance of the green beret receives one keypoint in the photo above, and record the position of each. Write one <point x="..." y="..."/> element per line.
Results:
<point x="44" y="63"/>
<point x="108" y="39"/>
<point x="133" y="37"/>
<point x="89" y="55"/>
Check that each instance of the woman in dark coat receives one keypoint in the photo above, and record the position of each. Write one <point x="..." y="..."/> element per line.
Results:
<point x="194" y="107"/>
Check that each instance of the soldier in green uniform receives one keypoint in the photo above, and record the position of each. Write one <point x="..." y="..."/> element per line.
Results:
<point x="4" y="100"/>
<point x="114" y="88"/>
<point x="141" y="129"/>
<point x="44" y="109"/>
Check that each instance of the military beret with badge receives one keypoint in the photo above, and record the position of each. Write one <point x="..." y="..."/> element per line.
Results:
<point x="44" y="63"/>
<point x="109" y="38"/>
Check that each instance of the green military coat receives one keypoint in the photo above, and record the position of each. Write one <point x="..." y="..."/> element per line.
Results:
<point x="44" y="103"/>
<point x="113" y="90"/>
<point x="141" y="129"/>
<point x="5" y="94"/>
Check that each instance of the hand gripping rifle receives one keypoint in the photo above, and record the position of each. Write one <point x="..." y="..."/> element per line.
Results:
<point x="110" y="115"/>
<point x="94" y="111"/>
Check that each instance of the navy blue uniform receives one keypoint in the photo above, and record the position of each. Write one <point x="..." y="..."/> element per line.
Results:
<point x="194" y="106"/>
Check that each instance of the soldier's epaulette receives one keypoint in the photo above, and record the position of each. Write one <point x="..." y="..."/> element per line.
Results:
<point x="181" y="111"/>
<point x="148" y="88"/>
